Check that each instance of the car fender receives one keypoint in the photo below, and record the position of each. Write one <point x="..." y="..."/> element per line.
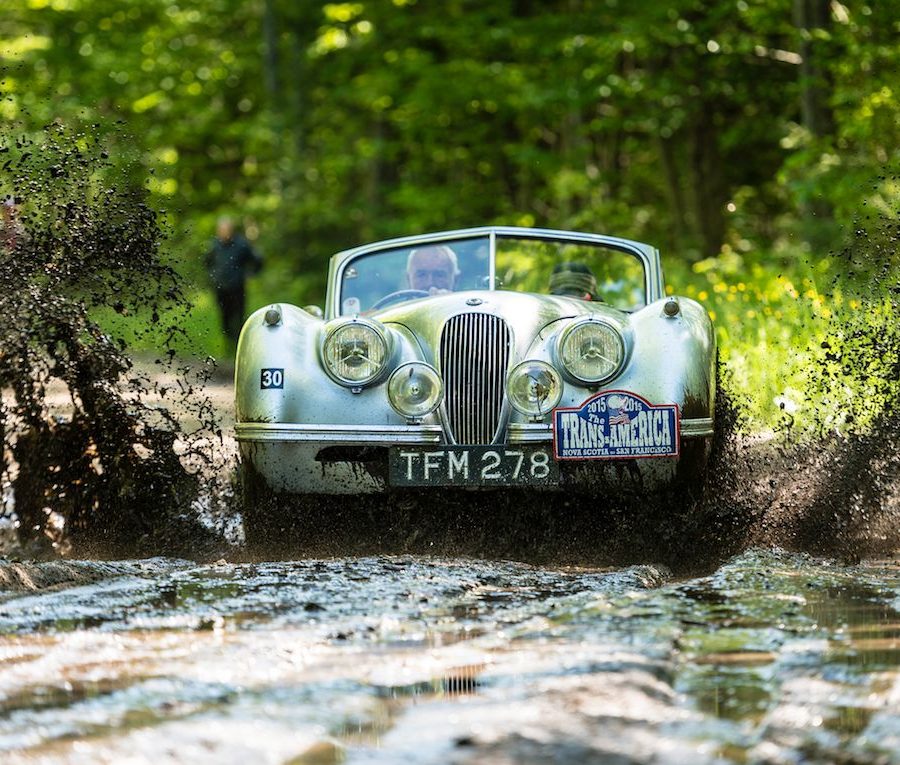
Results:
<point x="668" y="359"/>
<point x="307" y="394"/>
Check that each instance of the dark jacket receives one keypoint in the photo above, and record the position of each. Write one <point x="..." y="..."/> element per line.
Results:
<point x="230" y="263"/>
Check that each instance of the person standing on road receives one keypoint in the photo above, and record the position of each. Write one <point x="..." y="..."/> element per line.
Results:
<point x="229" y="262"/>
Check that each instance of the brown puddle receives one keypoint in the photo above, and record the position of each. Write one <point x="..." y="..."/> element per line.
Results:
<point x="420" y="659"/>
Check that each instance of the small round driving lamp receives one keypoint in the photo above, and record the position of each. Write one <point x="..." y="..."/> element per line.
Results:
<point x="591" y="351"/>
<point x="415" y="390"/>
<point x="355" y="353"/>
<point x="534" y="388"/>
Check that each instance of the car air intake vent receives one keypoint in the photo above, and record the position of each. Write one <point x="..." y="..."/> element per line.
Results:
<point x="475" y="349"/>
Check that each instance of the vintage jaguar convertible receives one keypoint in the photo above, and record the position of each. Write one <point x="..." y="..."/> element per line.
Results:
<point x="479" y="359"/>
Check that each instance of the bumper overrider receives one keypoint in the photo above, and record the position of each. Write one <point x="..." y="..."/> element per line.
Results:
<point x="350" y="459"/>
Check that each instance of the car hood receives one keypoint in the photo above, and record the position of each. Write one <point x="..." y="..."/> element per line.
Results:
<point x="525" y="313"/>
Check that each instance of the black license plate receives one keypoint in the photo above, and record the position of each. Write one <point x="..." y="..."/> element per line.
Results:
<point x="472" y="466"/>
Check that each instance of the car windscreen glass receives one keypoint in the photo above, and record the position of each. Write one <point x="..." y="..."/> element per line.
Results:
<point x="389" y="277"/>
<point x="568" y="268"/>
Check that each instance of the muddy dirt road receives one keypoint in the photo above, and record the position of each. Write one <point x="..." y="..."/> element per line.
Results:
<point x="774" y="658"/>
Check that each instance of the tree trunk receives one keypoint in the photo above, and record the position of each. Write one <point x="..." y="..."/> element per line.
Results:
<point x="674" y="188"/>
<point x="270" y="57"/>
<point x="811" y="16"/>
<point x="710" y="189"/>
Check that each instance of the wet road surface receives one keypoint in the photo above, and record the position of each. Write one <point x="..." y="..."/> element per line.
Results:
<point x="774" y="658"/>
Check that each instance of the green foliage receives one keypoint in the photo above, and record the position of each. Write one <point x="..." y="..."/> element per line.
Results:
<point x="740" y="136"/>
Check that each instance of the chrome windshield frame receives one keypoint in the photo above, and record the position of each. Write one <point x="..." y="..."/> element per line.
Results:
<point x="654" y="287"/>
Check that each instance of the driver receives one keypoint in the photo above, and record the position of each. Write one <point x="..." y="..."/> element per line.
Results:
<point x="432" y="269"/>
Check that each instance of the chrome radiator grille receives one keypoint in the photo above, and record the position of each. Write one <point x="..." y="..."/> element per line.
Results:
<point x="474" y="355"/>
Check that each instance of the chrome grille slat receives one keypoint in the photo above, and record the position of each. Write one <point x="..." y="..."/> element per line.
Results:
<point x="477" y="401"/>
<point x="491" y="401"/>
<point x="474" y="355"/>
<point x="467" y="418"/>
<point x="488" y="414"/>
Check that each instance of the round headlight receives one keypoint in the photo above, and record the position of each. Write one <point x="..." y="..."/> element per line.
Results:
<point x="355" y="353"/>
<point x="415" y="389"/>
<point x="534" y="387"/>
<point x="591" y="351"/>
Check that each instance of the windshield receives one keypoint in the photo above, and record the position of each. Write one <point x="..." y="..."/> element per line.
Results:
<point x="571" y="269"/>
<point x="393" y="276"/>
<point x="584" y="271"/>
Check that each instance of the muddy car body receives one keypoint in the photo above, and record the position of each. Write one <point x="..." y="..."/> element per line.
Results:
<point x="485" y="381"/>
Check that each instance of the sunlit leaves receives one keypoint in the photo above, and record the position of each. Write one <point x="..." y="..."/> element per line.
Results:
<point x="322" y="125"/>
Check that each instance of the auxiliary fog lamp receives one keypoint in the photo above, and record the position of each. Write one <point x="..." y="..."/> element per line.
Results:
<point x="534" y="387"/>
<point x="415" y="390"/>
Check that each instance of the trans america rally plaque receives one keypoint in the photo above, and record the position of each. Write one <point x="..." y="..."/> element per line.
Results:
<point x="615" y="424"/>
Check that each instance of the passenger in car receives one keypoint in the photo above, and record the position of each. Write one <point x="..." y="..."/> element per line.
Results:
<point x="573" y="280"/>
<point x="432" y="269"/>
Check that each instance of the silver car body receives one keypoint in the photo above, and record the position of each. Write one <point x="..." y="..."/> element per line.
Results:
<point x="312" y="435"/>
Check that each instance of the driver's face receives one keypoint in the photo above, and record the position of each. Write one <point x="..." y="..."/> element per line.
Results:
<point x="431" y="269"/>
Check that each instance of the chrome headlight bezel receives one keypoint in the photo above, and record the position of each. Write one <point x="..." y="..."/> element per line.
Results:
<point x="566" y="336"/>
<point x="549" y="403"/>
<point x="379" y="336"/>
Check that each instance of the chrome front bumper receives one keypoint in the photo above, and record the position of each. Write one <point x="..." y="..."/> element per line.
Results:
<point x="352" y="459"/>
<point x="387" y="435"/>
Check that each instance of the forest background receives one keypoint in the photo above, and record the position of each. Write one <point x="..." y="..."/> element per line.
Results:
<point x="756" y="142"/>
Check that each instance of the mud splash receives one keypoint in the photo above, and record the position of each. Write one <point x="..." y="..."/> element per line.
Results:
<point x="835" y="490"/>
<point x="105" y="474"/>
